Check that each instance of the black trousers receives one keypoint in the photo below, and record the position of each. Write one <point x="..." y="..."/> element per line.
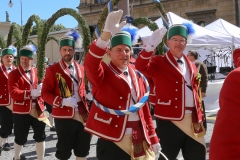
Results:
<point x="205" y="118"/>
<point x="48" y="107"/>
<point x="22" y="123"/>
<point x="173" y="139"/>
<point x="107" y="150"/>
<point x="71" y="136"/>
<point x="6" y="122"/>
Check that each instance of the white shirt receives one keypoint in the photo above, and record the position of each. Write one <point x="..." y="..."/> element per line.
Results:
<point x="8" y="70"/>
<point x="75" y="85"/>
<point x="133" y="116"/>
<point x="189" y="101"/>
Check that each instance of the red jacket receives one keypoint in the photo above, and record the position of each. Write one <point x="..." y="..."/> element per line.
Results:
<point x="4" y="94"/>
<point x="51" y="92"/>
<point x="152" y="95"/>
<point x="225" y="141"/>
<point x="170" y="85"/>
<point x="20" y="88"/>
<point x="111" y="89"/>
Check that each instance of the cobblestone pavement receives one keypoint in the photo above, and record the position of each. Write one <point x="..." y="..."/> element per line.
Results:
<point x="51" y="139"/>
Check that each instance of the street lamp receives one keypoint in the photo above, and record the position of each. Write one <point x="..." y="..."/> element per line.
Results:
<point x="10" y="4"/>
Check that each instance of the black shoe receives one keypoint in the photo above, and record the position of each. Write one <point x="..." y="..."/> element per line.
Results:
<point x="6" y="147"/>
<point x="52" y="129"/>
<point x="22" y="157"/>
<point x="0" y="151"/>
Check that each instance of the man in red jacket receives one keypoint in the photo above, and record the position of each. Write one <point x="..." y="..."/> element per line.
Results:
<point x="23" y="89"/>
<point x="118" y="86"/>
<point x="225" y="142"/>
<point x="68" y="110"/>
<point x="6" y="114"/>
<point x="178" y="112"/>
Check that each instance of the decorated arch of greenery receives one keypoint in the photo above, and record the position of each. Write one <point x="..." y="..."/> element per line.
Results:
<point x="14" y="32"/>
<point x="43" y="30"/>
<point x="46" y="28"/>
<point x="27" y="28"/>
<point x="2" y="42"/>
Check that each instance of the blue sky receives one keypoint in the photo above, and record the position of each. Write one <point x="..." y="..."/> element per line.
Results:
<point x="43" y="8"/>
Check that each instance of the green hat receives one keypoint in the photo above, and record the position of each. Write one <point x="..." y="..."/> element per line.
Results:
<point x="122" y="37"/>
<point x="28" y="51"/>
<point x="67" y="41"/>
<point x="7" y="51"/>
<point x="177" y="29"/>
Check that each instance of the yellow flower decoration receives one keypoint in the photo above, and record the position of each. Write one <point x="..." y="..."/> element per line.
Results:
<point x="198" y="77"/>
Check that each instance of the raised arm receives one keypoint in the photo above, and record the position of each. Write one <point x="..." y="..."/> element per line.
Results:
<point x="143" y="62"/>
<point x="93" y="61"/>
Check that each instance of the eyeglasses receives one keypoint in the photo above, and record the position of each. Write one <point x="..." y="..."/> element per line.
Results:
<point x="182" y="41"/>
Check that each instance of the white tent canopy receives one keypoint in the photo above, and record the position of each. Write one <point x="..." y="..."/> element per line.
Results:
<point x="208" y="43"/>
<point x="225" y="27"/>
<point x="201" y="35"/>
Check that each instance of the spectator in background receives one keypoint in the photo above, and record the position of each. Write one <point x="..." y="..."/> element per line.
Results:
<point x="225" y="142"/>
<point x="137" y="50"/>
<point x="202" y="69"/>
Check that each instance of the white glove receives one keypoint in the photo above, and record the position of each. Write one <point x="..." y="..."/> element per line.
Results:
<point x="70" y="102"/>
<point x="156" y="148"/>
<point x="155" y="39"/>
<point x="39" y="87"/>
<point x="112" y="22"/>
<point x="35" y="93"/>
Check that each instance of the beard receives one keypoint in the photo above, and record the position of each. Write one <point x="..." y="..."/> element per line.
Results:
<point x="67" y="58"/>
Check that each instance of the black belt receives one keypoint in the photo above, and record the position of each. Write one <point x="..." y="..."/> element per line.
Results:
<point x="74" y="79"/>
<point x="189" y="87"/>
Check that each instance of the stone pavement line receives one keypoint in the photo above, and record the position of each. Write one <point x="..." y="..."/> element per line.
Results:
<point x="51" y="139"/>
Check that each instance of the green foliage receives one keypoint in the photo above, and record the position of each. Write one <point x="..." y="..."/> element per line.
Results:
<point x="28" y="26"/>
<point x="2" y="42"/>
<point x="31" y="41"/>
<point x="103" y="17"/>
<point x="52" y="38"/>
<point x="145" y="21"/>
<point x="16" y="33"/>
<point x="55" y="27"/>
<point x="163" y="13"/>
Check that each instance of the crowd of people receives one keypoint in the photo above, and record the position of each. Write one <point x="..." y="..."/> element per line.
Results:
<point x="119" y="114"/>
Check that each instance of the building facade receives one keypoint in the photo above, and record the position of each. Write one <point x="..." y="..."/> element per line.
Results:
<point x="201" y="12"/>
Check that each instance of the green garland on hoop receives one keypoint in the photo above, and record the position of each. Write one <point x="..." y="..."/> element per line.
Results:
<point x="26" y="31"/>
<point x="15" y="32"/>
<point x="152" y="26"/>
<point x="49" y="23"/>
<point x="52" y="38"/>
<point x="103" y="17"/>
<point x="2" y="42"/>
<point x="31" y="41"/>
<point x="162" y="11"/>
<point x="145" y="21"/>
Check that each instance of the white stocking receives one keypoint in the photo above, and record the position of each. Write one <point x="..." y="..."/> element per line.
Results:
<point x="40" y="149"/>
<point x="81" y="158"/>
<point x="51" y="119"/>
<point x="1" y="141"/>
<point x="17" y="151"/>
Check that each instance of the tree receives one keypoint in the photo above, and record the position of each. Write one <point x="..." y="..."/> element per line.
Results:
<point x="55" y="27"/>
